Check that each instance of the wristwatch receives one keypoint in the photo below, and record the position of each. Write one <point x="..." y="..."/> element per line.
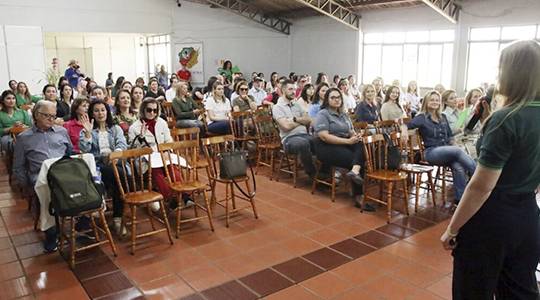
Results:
<point x="294" y="120"/>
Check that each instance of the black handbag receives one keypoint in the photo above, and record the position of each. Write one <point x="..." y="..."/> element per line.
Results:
<point x="393" y="158"/>
<point x="232" y="165"/>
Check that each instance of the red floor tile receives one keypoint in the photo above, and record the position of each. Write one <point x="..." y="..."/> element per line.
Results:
<point x="15" y="288"/>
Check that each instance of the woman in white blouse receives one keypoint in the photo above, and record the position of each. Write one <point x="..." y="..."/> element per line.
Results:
<point x="218" y="108"/>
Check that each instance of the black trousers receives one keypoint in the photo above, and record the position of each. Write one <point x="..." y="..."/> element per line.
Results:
<point x="498" y="250"/>
<point x="341" y="156"/>
<point x="107" y="176"/>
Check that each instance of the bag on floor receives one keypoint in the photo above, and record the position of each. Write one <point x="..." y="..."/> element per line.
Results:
<point x="72" y="187"/>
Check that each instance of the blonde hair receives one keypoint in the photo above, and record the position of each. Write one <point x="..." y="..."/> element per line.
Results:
<point x="469" y="95"/>
<point x="424" y="108"/>
<point x="446" y="95"/>
<point x="364" y="98"/>
<point x="409" y="89"/>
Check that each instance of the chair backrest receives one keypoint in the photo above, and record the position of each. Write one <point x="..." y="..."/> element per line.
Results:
<point x="185" y="134"/>
<point x="184" y="155"/>
<point x="360" y="127"/>
<point x="414" y="145"/>
<point x="132" y="170"/>
<point x="376" y="151"/>
<point x="242" y="125"/>
<point x="266" y="130"/>
<point x="213" y="146"/>
<point x="262" y="110"/>
<point x="387" y="126"/>
<point x="169" y="113"/>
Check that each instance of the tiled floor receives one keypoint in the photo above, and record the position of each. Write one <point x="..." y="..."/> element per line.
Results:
<point x="303" y="246"/>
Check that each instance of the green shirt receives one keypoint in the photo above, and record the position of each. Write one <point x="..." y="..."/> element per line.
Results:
<point x="512" y="143"/>
<point x="19" y="115"/>
<point x="22" y="101"/>
<point x="242" y="104"/>
<point x="183" y="110"/>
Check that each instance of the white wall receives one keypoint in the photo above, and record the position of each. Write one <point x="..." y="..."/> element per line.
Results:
<point x="98" y="53"/>
<point x="321" y="44"/>
<point x="225" y="35"/>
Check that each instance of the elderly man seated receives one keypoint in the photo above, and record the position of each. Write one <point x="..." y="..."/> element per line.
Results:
<point x="43" y="141"/>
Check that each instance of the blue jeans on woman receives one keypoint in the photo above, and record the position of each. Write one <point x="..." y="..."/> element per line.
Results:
<point x="457" y="160"/>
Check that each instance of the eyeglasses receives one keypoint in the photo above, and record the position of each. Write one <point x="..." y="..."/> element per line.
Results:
<point x="151" y="110"/>
<point x="47" y="116"/>
<point x="335" y="97"/>
<point x="243" y="89"/>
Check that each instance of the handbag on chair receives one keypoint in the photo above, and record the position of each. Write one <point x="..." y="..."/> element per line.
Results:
<point x="233" y="164"/>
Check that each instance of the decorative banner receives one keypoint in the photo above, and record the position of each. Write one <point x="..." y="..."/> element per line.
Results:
<point x="189" y="58"/>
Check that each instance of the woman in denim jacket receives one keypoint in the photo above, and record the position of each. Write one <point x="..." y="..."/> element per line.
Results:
<point x="439" y="142"/>
<point x="101" y="137"/>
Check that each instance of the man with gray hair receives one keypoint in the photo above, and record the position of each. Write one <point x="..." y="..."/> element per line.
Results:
<point x="43" y="141"/>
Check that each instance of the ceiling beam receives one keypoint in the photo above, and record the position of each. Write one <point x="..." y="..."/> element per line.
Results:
<point x="335" y="11"/>
<point x="446" y="8"/>
<point x="253" y="13"/>
<point x="360" y="3"/>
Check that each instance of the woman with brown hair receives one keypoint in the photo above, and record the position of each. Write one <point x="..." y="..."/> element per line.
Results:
<point x="124" y="115"/>
<point x="495" y="230"/>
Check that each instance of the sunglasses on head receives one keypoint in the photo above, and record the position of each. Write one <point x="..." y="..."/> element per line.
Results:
<point x="150" y="110"/>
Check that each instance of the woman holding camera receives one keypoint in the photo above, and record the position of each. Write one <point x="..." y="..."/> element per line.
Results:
<point x="494" y="233"/>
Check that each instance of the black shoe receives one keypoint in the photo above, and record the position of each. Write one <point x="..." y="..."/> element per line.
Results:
<point x="356" y="178"/>
<point x="50" y="244"/>
<point x="367" y="207"/>
<point x="188" y="202"/>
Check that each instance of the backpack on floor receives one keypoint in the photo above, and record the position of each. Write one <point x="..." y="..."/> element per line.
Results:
<point x="73" y="189"/>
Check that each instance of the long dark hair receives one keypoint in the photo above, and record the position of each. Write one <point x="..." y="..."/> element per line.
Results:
<point x="62" y="92"/>
<point x="319" y="78"/>
<point x="109" y="122"/>
<point x="117" y="102"/>
<point x="272" y="81"/>
<point x="304" y="94"/>
<point x="389" y="91"/>
<point x="225" y="63"/>
<point x="327" y="96"/>
<point x="3" y="96"/>
<point x="75" y="106"/>
<point x="119" y="82"/>
<point x="210" y="84"/>
<point x="316" y="97"/>
<point x="62" y="78"/>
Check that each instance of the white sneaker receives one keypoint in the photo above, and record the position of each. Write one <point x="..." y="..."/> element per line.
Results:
<point x="118" y="228"/>
<point x="154" y="207"/>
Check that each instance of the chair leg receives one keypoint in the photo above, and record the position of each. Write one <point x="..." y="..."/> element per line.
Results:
<point x="178" y="215"/>
<point x="259" y="155"/>
<point x="295" y="171"/>
<point x="389" y="202"/>
<point x="227" y="205"/>
<point x="133" y="228"/>
<point x="233" y="197"/>
<point x="62" y="236"/>
<point x="314" y="183"/>
<point x="406" y="198"/>
<point x="272" y="167"/>
<point x="252" y="200"/>
<point x="107" y="231"/>
<point x="208" y="211"/>
<point x="418" y="179"/>
<point x="166" y="220"/>
<point x="150" y="217"/>
<point x="432" y="188"/>
<point x="94" y="227"/>
<point x="72" y="240"/>
<point x="333" y="180"/>
<point x="443" y="178"/>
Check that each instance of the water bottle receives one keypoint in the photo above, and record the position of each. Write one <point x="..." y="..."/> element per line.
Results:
<point x="97" y="177"/>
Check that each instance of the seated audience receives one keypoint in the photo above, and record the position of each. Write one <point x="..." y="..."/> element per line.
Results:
<point x="126" y="85"/>
<point x="451" y="110"/>
<point x="11" y="116"/>
<point x="411" y="100"/>
<point x="439" y="143"/>
<point x="293" y="121"/>
<point x="12" y="84"/>
<point x="23" y="95"/>
<point x="257" y="91"/>
<point x="171" y="92"/>
<point x="471" y="99"/>
<point x="218" y="108"/>
<point x="244" y="101"/>
<point x="50" y="94"/>
<point x="318" y="98"/>
<point x="101" y="137"/>
<point x="137" y="96"/>
<point x="140" y="83"/>
<point x="349" y="103"/>
<point x="154" y="91"/>
<point x="337" y="144"/>
<point x="306" y="96"/>
<point x="64" y="103"/>
<point x="273" y="97"/>
<point x="118" y="86"/>
<point x="367" y="110"/>
<point x="439" y="88"/>
<point x="391" y="109"/>
<point x="124" y="115"/>
<point x="43" y="141"/>
<point x="185" y="110"/>
<point x="79" y="108"/>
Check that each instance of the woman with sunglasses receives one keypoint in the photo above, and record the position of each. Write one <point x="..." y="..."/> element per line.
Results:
<point x="101" y="137"/>
<point x="150" y="130"/>
<point x="243" y="102"/>
<point x="124" y="115"/>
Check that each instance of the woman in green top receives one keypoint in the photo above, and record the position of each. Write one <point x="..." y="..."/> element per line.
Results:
<point x="23" y="95"/>
<point x="11" y="116"/>
<point x="495" y="232"/>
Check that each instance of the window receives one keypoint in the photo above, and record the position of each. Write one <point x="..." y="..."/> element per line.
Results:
<point x="423" y="56"/>
<point x="485" y="45"/>
<point x="159" y="53"/>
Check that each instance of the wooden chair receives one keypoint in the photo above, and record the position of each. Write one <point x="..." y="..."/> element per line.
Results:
<point x="269" y="143"/>
<point x="288" y="164"/>
<point x="191" y="134"/>
<point x="330" y="181"/>
<point x="136" y="190"/>
<point x="169" y="113"/>
<point x="417" y="171"/>
<point x="361" y="127"/>
<point x="69" y="238"/>
<point x="244" y="130"/>
<point x="212" y="147"/>
<point x="15" y="131"/>
<point x="387" y="126"/>
<point x="376" y="155"/>
<point x="204" y="118"/>
<point x="187" y="182"/>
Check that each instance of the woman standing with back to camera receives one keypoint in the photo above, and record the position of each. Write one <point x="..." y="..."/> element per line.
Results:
<point x="494" y="233"/>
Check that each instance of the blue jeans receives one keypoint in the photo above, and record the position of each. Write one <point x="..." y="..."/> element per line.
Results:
<point x="457" y="160"/>
<point x="219" y="127"/>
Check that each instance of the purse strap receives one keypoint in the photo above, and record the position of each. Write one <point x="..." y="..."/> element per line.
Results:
<point x="254" y="184"/>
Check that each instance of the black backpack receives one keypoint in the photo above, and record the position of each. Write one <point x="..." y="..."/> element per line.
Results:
<point x="73" y="189"/>
<point x="394" y="154"/>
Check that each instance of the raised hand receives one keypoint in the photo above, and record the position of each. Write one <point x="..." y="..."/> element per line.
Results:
<point x="87" y="124"/>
